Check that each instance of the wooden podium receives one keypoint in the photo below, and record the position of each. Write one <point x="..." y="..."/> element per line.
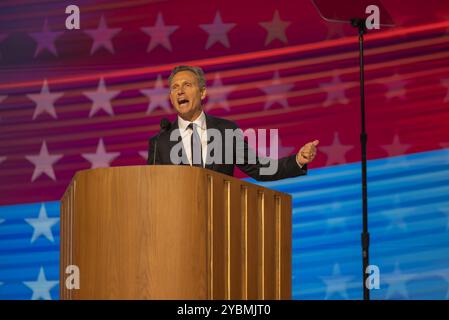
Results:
<point x="174" y="232"/>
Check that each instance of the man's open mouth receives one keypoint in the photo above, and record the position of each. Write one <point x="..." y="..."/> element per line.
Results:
<point x="183" y="102"/>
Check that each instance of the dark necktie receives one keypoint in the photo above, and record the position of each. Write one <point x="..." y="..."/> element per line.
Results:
<point x="195" y="146"/>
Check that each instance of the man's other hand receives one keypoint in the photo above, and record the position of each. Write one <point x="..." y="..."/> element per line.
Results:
<point x="307" y="153"/>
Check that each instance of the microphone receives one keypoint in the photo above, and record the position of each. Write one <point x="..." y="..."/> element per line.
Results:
<point x="165" y="126"/>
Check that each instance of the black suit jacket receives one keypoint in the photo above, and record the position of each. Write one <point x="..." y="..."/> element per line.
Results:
<point x="287" y="167"/>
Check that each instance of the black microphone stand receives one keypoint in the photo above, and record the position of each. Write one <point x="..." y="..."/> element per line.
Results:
<point x="361" y="26"/>
<point x="165" y="125"/>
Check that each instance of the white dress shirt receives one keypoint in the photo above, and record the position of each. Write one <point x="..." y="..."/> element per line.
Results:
<point x="186" y="134"/>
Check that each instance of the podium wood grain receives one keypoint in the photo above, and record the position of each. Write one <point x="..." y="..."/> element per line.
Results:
<point x="174" y="232"/>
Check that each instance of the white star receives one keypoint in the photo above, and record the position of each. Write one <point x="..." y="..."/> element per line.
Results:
<point x="101" y="98"/>
<point x="397" y="283"/>
<point x="144" y="154"/>
<point x="158" y="96"/>
<point x="336" y="153"/>
<point x="276" y="92"/>
<point x="46" y="39"/>
<point x="335" y="91"/>
<point x="283" y="151"/>
<point x="41" y="287"/>
<point x="218" y="94"/>
<point x="102" y="36"/>
<point x="101" y="158"/>
<point x="42" y="225"/>
<point x="445" y="83"/>
<point x="43" y="162"/>
<point x="276" y="29"/>
<point x="397" y="214"/>
<point x="45" y="101"/>
<point x="336" y="283"/>
<point x="396" y="217"/>
<point x="217" y="31"/>
<point x="445" y="275"/>
<point x="396" y="148"/>
<point x="159" y="34"/>
<point x="396" y="87"/>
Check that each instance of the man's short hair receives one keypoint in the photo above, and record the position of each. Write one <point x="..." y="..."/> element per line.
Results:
<point x="197" y="71"/>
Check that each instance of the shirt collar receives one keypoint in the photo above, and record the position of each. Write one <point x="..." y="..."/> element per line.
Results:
<point x="200" y="122"/>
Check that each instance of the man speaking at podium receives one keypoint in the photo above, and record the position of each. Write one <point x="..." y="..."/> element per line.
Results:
<point x="198" y="139"/>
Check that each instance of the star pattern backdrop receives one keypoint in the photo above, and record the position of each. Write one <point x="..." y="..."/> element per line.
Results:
<point x="89" y="98"/>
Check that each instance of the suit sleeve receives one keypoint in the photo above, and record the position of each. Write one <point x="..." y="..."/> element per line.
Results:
<point x="262" y="168"/>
